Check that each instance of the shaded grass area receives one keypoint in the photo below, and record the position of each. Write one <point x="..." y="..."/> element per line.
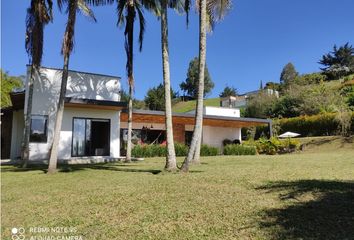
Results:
<point x="187" y="106"/>
<point x="296" y="196"/>
<point x="327" y="143"/>
<point x="316" y="209"/>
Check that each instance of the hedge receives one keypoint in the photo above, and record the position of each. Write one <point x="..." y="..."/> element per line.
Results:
<point x="155" y="150"/>
<point x="237" y="149"/>
<point x="316" y="125"/>
<point x="274" y="145"/>
<point x="206" y="150"/>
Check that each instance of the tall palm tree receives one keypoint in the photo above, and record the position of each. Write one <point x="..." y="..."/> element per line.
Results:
<point x="39" y="14"/>
<point x="127" y="10"/>
<point x="72" y="7"/>
<point x="171" y="163"/>
<point x="209" y="12"/>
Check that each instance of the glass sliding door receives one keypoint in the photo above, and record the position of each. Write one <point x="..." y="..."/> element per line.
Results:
<point x="79" y="140"/>
<point x="91" y="137"/>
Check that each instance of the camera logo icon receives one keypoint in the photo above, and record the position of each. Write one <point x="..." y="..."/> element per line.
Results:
<point x="18" y="233"/>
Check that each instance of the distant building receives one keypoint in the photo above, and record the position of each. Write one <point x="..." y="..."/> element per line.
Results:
<point x="240" y="101"/>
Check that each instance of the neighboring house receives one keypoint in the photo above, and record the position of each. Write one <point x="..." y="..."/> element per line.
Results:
<point x="95" y="120"/>
<point x="240" y="101"/>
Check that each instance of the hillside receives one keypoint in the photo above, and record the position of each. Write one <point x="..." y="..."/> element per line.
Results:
<point x="187" y="106"/>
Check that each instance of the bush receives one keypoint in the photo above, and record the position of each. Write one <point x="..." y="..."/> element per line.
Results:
<point x="274" y="145"/>
<point x="236" y="149"/>
<point x="226" y="142"/>
<point x="153" y="150"/>
<point x="206" y="150"/>
<point x="181" y="149"/>
<point x="317" y="125"/>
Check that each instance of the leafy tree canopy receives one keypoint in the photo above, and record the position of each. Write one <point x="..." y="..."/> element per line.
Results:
<point x="288" y="75"/>
<point x="8" y="84"/>
<point x="228" y="91"/>
<point x="155" y="97"/>
<point x="137" y="104"/>
<point x="272" y="85"/>
<point x="190" y="86"/>
<point x="339" y="62"/>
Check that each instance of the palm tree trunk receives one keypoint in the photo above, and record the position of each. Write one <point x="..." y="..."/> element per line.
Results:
<point x="130" y="125"/>
<point x="27" y="129"/>
<point x="129" y="50"/>
<point x="199" y="111"/>
<point x="66" y="50"/>
<point x="196" y="157"/>
<point x="171" y="164"/>
<point x="59" y="118"/>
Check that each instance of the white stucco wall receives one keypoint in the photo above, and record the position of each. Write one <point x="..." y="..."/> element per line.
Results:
<point x="39" y="151"/>
<point x="18" y="124"/>
<point x="213" y="136"/>
<point x="80" y="85"/>
<point x="220" y="111"/>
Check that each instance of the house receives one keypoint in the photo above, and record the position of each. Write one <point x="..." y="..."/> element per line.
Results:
<point x="90" y="121"/>
<point x="95" y="120"/>
<point x="240" y="101"/>
<point x="218" y="124"/>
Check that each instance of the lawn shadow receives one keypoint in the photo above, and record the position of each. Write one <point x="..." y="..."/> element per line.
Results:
<point x="67" y="168"/>
<point x="329" y="214"/>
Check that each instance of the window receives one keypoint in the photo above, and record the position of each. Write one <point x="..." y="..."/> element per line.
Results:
<point x="39" y="131"/>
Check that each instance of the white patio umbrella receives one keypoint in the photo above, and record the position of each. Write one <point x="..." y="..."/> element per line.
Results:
<point x="289" y="135"/>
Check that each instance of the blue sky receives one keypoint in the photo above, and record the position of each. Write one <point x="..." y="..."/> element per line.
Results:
<point x="253" y="43"/>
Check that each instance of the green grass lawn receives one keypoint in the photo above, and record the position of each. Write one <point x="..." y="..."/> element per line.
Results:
<point x="182" y="107"/>
<point x="296" y="196"/>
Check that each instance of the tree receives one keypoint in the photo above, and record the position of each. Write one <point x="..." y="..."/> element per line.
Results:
<point x="288" y="75"/>
<point x="72" y="7"/>
<point x="39" y="14"/>
<point x="137" y="104"/>
<point x="190" y="85"/>
<point x="339" y="62"/>
<point x="8" y="84"/>
<point x="171" y="163"/>
<point x="260" y="105"/>
<point x="272" y="85"/>
<point x="154" y="100"/>
<point x="127" y="10"/>
<point x="228" y="91"/>
<point x="212" y="11"/>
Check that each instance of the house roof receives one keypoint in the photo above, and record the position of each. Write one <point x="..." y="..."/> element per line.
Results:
<point x="93" y="103"/>
<point x="148" y="116"/>
<point x="18" y="102"/>
<point x="70" y="70"/>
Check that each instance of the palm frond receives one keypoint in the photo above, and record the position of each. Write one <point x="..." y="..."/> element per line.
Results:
<point x="68" y="40"/>
<point x="38" y="15"/>
<point x="142" y="27"/>
<point x="99" y="2"/>
<point x="61" y="3"/>
<point x="85" y="9"/>
<point x="120" y="12"/>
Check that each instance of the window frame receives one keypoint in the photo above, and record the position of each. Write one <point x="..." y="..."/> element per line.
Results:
<point x="45" y="129"/>
<point x="88" y="118"/>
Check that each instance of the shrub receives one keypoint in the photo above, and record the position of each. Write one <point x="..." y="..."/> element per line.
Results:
<point x="274" y="145"/>
<point x="317" y="125"/>
<point x="206" y="150"/>
<point x="226" y="142"/>
<point x="153" y="150"/>
<point x="236" y="149"/>
<point x="181" y="149"/>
